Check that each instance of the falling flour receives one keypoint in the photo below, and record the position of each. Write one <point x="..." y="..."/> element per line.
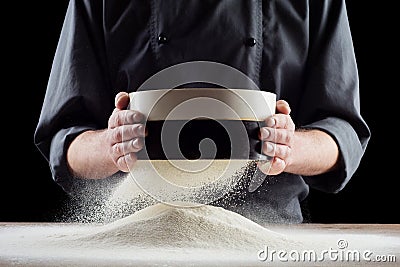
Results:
<point x="199" y="181"/>
<point x="178" y="183"/>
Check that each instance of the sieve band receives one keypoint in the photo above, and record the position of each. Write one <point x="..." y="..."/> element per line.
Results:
<point x="219" y="104"/>
<point x="202" y="139"/>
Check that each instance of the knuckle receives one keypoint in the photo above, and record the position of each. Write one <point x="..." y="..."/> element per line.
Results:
<point x="129" y="160"/>
<point x="121" y="163"/>
<point x="284" y="151"/>
<point x="117" y="134"/>
<point x="117" y="150"/>
<point x="288" y="138"/>
<point x="279" y="135"/>
<point x="133" y="144"/>
<point x="139" y="130"/>
<point x="135" y="130"/>
<point x="279" y="151"/>
<point x="137" y="116"/>
<point x="132" y="117"/>
<point x="117" y="119"/>
<point x="137" y="144"/>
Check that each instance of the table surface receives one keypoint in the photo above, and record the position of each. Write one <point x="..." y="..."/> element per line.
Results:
<point x="28" y="244"/>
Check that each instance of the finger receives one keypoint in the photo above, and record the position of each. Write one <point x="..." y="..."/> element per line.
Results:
<point x="280" y="121"/>
<point x="124" y="117"/>
<point x="276" y="150"/>
<point x="127" y="147"/>
<point x="125" y="163"/>
<point x="127" y="132"/>
<point x="279" y="136"/>
<point x="282" y="107"/>
<point x="122" y="100"/>
<point x="277" y="166"/>
<point x="274" y="167"/>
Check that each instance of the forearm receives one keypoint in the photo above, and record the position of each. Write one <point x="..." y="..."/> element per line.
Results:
<point x="88" y="156"/>
<point x="313" y="152"/>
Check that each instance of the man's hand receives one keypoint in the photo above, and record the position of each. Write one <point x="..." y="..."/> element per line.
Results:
<point x="125" y="133"/>
<point x="102" y="153"/>
<point x="277" y="138"/>
<point x="299" y="151"/>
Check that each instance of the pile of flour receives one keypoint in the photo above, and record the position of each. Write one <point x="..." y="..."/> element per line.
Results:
<point x="164" y="235"/>
<point x="159" y="235"/>
<point x="202" y="227"/>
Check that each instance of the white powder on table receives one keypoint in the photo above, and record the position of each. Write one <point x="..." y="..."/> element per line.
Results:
<point x="159" y="234"/>
<point x="163" y="235"/>
<point x="205" y="226"/>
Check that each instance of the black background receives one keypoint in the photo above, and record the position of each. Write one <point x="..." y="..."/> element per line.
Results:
<point x="28" y="193"/>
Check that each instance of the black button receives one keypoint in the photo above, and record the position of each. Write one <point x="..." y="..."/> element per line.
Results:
<point x="250" y="41"/>
<point x="162" y="39"/>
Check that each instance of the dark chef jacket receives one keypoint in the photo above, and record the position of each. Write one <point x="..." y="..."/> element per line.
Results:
<point x="299" y="49"/>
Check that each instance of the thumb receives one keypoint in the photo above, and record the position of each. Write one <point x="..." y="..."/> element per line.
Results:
<point x="122" y="100"/>
<point x="282" y="107"/>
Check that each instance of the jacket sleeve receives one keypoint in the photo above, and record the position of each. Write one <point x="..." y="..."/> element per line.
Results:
<point x="78" y="96"/>
<point x="331" y="100"/>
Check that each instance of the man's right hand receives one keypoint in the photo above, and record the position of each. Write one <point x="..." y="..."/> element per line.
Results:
<point x="97" y="154"/>
<point x="125" y="133"/>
